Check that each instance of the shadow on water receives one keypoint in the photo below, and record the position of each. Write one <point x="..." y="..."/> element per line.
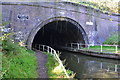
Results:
<point x="91" y="67"/>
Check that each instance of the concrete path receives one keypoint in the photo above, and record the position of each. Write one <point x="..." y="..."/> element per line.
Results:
<point x="42" y="60"/>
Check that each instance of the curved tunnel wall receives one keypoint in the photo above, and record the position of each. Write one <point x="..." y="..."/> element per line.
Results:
<point x="58" y="33"/>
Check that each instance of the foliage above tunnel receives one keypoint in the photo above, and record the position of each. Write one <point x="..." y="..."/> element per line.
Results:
<point x="103" y="5"/>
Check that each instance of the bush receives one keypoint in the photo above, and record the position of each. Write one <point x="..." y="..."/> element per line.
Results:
<point x="18" y="62"/>
<point x="113" y="39"/>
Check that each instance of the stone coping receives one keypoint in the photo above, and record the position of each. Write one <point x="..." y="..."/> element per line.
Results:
<point x="96" y="54"/>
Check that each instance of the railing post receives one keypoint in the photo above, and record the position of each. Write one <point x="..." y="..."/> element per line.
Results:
<point x="88" y="46"/>
<point x="43" y="47"/>
<point x="48" y="49"/>
<point x="108" y="68"/>
<point x="101" y="48"/>
<point x="115" y="68"/>
<point x="78" y="46"/>
<point x="78" y="60"/>
<point x="71" y="45"/>
<point x="116" y="49"/>
<point x="101" y="65"/>
<point x="51" y="50"/>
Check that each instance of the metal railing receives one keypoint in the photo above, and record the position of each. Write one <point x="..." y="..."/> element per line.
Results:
<point x="48" y="49"/>
<point x="79" y="46"/>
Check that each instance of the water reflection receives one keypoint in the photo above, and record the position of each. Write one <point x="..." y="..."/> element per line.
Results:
<point x="91" y="67"/>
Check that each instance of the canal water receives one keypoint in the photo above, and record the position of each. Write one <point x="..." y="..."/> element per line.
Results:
<point x="91" y="67"/>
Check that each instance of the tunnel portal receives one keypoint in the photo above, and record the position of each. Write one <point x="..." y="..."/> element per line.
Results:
<point x="58" y="33"/>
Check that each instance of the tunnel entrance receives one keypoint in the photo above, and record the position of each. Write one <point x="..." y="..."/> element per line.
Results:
<point x="59" y="33"/>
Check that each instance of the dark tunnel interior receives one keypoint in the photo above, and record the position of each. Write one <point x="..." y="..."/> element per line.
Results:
<point x="57" y="33"/>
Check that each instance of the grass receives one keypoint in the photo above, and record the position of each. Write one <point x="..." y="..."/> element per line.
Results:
<point x="104" y="48"/>
<point x="17" y="61"/>
<point x="54" y="68"/>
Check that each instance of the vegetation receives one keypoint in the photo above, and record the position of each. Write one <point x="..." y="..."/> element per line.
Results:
<point x="113" y="39"/>
<point x="17" y="61"/>
<point x="103" y="5"/>
<point x="54" y="68"/>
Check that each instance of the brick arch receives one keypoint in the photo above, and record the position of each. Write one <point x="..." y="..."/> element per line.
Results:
<point x="40" y="25"/>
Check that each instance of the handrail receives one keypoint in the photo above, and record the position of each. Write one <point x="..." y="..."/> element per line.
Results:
<point x="92" y="44"/>
<point x="53" y="52"/>
<point x="88" y="45"/>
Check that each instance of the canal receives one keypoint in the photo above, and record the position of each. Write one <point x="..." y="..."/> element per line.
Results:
<point x="91" y="67"/>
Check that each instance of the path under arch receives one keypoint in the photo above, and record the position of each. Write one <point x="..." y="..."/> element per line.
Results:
<point x="42" y="60"/>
